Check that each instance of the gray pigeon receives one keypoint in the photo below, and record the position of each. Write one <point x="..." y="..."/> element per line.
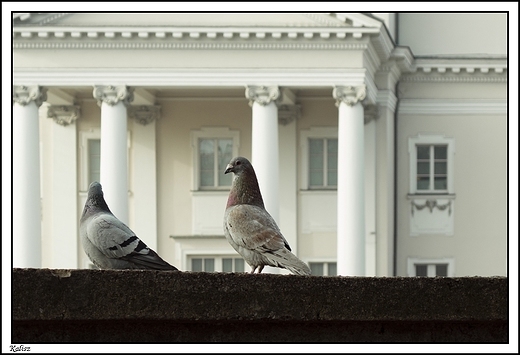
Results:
<point x="108" y="242"/>
<point x="250" y="229"/>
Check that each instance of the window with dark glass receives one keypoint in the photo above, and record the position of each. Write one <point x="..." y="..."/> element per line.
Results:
<point x="432" y="168"/>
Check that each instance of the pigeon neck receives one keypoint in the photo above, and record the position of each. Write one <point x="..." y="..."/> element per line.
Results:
<point x="97" y="202"/>
<point x="245" y="191"/>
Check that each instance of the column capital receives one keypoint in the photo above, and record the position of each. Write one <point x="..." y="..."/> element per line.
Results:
<point x="23" y="95"/>
<point x="288" y="113"/>
<point x="263" y="95"/>
<point x="111" y="95"/>
<point x="371" y="112"/>
<point x="63" y="114"/>
<point x="349" y="95"/>
<point x="144" y="114"/>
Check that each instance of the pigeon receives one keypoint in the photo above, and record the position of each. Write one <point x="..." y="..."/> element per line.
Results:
<point x="108" y="242"/>
<point x="250" y="229"/>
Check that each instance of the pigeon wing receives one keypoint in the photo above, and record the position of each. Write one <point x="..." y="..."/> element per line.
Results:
<point x="116" y="241"/>
<point x="111" y="236"/>
<point x="251" y="227"/>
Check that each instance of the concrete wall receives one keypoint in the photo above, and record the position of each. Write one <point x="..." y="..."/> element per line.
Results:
<point x="108" y="306"/>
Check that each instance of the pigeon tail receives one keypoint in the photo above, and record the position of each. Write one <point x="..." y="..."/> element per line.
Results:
<point x="286" y="260"/>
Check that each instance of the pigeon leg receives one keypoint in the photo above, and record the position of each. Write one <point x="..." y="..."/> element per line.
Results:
<point x="253" y="268"/>
<point x="260" y="268"/>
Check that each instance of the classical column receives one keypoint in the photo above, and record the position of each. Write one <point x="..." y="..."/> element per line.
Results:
<point x="144" y="177"/>
<point x="351" y="189"/>
<point x="26" y="176"/>
<point x="62" y="204"/>
<point x="114" y="146"/>
<point x="264" y="151"/>
<point x="288" y="116"/>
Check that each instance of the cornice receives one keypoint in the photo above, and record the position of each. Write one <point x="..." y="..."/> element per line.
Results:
<point x="248" y="34"/>
<point x="457" y="70"/>
<point x="190" y="45"/>
<point x="452" y="107"/>
<point x="454" y="79"/>
<point x="192" y="77"/>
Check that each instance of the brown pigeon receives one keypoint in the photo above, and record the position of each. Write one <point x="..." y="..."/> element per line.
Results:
<point x="250" y="229"/>
<point x="108" y="242"/>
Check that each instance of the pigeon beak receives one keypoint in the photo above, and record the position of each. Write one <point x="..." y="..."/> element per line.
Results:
<point x="229" y="168"/>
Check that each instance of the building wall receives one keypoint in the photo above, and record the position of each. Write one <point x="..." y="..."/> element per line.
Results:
<point x="479" y="241"/>
<point x="307" y="218"/>
<point x="175" y="159"/>
<point x="431" y="34"/>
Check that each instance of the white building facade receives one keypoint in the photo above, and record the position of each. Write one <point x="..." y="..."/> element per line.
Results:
<point x="374" y="159"/>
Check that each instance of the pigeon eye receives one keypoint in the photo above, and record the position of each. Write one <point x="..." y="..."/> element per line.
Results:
<point x="238" y="163"/>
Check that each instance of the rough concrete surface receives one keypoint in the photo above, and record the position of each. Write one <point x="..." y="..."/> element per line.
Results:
<point x="78" y="306"/>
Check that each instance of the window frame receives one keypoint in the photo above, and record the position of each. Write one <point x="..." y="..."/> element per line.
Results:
<point x="305" y="136"/>
<point x="325" y="266"/>
<point x="218" y="261"/>
<point x="210" y="133"/>
<point x="431" y="140"/>
<point x="431" y="262"/>
<point x="85" y="137"/>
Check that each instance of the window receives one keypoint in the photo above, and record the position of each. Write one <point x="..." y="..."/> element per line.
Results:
<point x="215" y="154"/>
<point x="90" y="157"/>
<point x="319" y="158"/>
<point x="323" y="269"/>
<point x="431" y="270"/>
<point x="431" y="267"/>
<point x="213" y="148"/>
<point x="217" y="264"/>
<point x="432" y="168"/>
<point x="431" y="164"/>
<point x="94" y="149"/>
<point x="323" y="162"/>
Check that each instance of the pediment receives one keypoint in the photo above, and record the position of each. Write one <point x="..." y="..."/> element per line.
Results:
<point x="208" y="20"/>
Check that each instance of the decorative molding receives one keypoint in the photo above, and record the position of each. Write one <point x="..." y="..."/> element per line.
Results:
<point x="144" y="114"/>
<point x="23" y="95"/>
<point x="371" y="112"/>
<point x="349" y="95"/>
<point x="63" y="114"/>
<point x="419" y="78"/>
<point x="452" y="107"/>
<point x="263" y="95"/>
<point x="431" y="204"/>
<point x="288" y="113"/>
<point x="65" y="77"/>
<point x="111" y="95"/>
<point x="189" y="45"/>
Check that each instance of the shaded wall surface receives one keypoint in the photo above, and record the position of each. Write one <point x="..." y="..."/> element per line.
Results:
<point x="109" y="306"/>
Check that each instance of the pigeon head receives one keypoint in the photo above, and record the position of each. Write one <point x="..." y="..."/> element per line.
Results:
<point x="95" y="196"/>
<point x="238" y="165"/>
<point x="244" y="189"/>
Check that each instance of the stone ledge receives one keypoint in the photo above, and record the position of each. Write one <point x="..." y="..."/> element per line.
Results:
<point x="55" y="305"/>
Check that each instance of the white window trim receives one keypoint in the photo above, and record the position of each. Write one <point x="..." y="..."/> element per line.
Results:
<point x="412" y="261"/>
<point x="208" y="133"/>
<point x="316" y="133"/>
<point x="423" y="139"/>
